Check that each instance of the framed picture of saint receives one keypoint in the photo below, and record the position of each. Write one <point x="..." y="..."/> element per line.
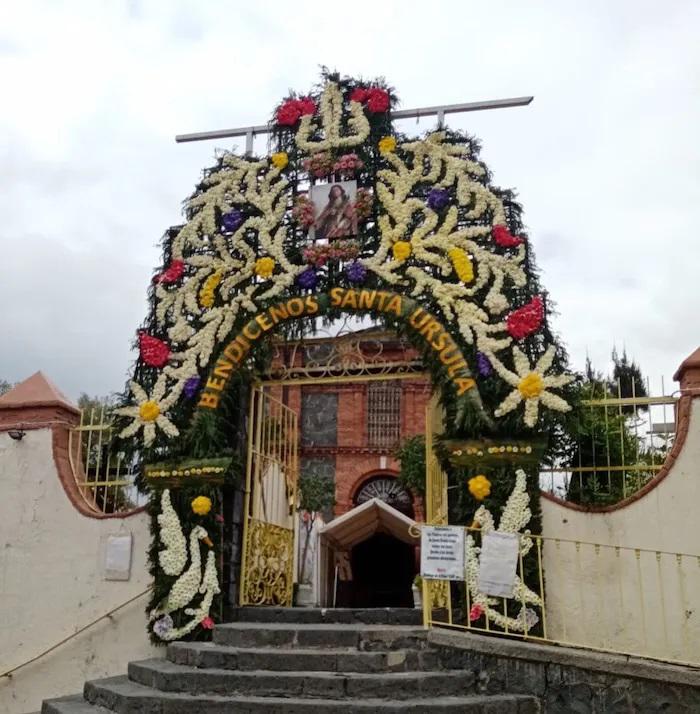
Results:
<point x="334" y="210"/>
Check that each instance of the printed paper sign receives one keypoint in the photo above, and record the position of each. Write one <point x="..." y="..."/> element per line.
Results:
<point x="498" y="563"/>
<point x="442" y="552"/>
<point x="118" y="557"/>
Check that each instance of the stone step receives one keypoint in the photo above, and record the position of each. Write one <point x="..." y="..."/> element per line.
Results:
<point x="360" y="636"/>
<point x="123" y="696"/>
<point x="71" y="705"/>
<point x="166" y="676"/>
<point x="208" y="655"/>
<point x="340" y="616"/>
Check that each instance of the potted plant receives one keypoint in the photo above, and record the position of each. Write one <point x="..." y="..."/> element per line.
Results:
<point x="417" y="591"/>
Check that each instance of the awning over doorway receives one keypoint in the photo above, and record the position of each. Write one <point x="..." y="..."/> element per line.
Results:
<point x="362" y="522"/>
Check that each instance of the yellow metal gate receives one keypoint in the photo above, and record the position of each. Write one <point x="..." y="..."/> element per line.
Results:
<point x="436" y="593"/>
<point x="267" y="562"/>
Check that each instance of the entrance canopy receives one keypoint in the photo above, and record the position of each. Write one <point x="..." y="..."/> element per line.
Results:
<point x="359" y="524"/>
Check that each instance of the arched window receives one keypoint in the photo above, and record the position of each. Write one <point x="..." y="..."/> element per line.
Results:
<point x="387" y="489"/>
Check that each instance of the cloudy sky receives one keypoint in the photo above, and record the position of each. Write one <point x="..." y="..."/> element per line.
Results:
<point x="606" y="159"/>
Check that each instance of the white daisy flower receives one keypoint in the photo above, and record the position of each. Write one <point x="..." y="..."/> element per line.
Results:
<point x="148" y="411"/>
<point x="531" y="384"/>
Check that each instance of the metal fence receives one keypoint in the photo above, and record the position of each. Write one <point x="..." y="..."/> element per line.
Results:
<point x="632" y="601"/>
<point x="104" y="476"/>
<point x="619" y="444"/>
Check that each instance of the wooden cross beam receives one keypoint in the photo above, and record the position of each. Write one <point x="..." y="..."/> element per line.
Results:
<point x="250" y="132"/>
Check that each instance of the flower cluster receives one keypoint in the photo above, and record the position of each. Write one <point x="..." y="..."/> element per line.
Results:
<point x="438" y="198"/>
<point x="319" y="254"/>
<point x="207" y="293"/>
<point x="154" y="352"/>
<point x="319" y="164"/>
<point x="264" y="267"/>
<point x="356" y="272"/>
<point x="303" y="210"/>
<point x="376" y="99"/>
<point x="526" y="319"/>
<point x="172" y="273"/>
<point x="364" y="203"/>
<point x="479" y="487"/>
<point x="401" y="250"/>
<point x="280" y="160"/>
<point x="502" y="236"/>
<point x="387" y="145"/>
<point x="308" y="279"/>
<point x="348" y="165"/>
<point x="289" y="113"/>
<point x="201" y="505"/>
<point x="462" y="264"/>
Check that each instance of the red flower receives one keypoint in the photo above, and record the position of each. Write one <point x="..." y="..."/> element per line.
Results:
<point x="377" y="100"/>
<point x="154" y="352"/>
<point x="172" y="273"/>
<point x="207" y="623"/>
<point x="288" y="114"/>
<point x="359" y="95"/>
<point x="503" y="237"/>
<point x="306" y="105"/>
<point x="475" y="612"/>
<point x="526" y="319"/>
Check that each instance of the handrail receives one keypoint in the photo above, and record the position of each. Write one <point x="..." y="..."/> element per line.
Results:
<point x="107" y="615"/>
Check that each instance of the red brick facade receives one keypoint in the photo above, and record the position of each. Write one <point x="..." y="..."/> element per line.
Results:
<point x="355" y="459"/>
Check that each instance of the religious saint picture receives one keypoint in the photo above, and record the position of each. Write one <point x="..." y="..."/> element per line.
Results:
<point x="334" y="210"/>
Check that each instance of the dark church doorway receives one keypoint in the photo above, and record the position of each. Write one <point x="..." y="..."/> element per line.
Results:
<point x="383" y="570"/>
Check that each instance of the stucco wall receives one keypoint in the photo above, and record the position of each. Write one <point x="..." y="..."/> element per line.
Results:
<point x="52" y="582"/>
<point x="639" y="602"/>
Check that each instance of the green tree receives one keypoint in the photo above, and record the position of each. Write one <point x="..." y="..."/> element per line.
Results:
<point x="316" y="494"/>
<point x="411" y="455"/>
<point x="5" y="386"/>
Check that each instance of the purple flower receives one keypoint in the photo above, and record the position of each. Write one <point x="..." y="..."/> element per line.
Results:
<point x="231" y="220"/>
<point x="483" y="364"/>
<point x="191" y="387"/>
<point x="356" y="272"/>
<point x="438" y="198"/>
<point x="308" y="279"/>
<point x="162" y="626"/>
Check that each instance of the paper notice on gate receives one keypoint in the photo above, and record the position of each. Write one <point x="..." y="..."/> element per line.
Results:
<point x="498" y="563"/>
<point x="442" y="552"/>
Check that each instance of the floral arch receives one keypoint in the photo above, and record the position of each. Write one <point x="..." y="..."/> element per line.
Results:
<point x="425" y="223"/>
<point x="409" y="230"/>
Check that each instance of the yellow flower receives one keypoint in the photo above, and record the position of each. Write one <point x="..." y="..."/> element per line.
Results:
<point x="531" y="386"/>
<point x="479" y="487"/>
<point x="462" y="264"/>
<point x="264" y="267"/>
<point x="149" y="411"/>
<point x="387" y="144"/>
<point x="401" y="249"/>
<point x="206" y="294"/>
<point x="280" y="159"/>
<point x="201" y="505"/>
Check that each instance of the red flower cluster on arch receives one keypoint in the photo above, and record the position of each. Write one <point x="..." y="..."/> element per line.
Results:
<point x="289" y="113"/>
<point x="376" y="99"/>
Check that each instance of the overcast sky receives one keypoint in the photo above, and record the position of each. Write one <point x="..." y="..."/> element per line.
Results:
<point x="606" y="159"/>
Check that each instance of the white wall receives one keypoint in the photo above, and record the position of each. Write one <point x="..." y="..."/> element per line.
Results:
<point x="639" y="603"/>
<point x="52" y="582"/>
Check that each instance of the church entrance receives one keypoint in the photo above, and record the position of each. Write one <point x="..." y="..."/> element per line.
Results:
<point x="383" y="569"/>
<point x="368" y="558"/>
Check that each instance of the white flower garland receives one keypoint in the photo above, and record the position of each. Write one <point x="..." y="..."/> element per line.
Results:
<point x="516" y="515"/>
<point x="191" y="582"/>
<point x="174" y="556"/>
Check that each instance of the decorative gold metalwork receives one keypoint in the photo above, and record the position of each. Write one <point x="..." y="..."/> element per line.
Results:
<point x="272" y="468"/>
<point x="269" y="565"/>
<point x="345" y="355"/>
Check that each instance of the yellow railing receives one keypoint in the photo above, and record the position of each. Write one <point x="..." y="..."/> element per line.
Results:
<point x="632" y="601"/>
<point x="620" y="445"/>
<point x="105" y="478"/>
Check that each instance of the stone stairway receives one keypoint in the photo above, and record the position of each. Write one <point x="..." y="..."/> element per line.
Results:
<point x="297" y="660"/>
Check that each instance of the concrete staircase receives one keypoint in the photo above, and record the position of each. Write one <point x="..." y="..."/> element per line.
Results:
<point x="298" y="660"/>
